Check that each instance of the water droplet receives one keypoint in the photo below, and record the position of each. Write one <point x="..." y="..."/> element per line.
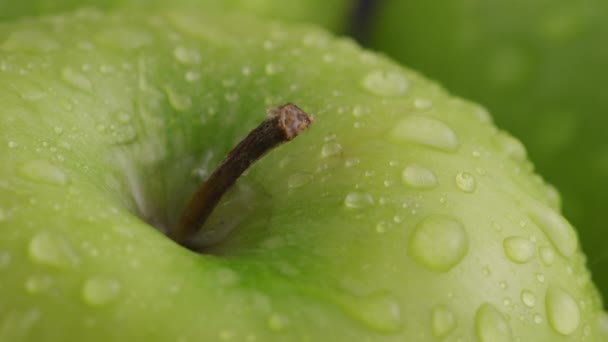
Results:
<point x="381" y="311"/>
<point x="491" y="326"/>
<point x="359" y="111"/>
<point x="383" y="227"/>
<point x="30" y="40"/>
<point x="50" y="249"/>
<point x="277" y="322"/>
<point x="38" y="283"/>
<point x="443" y="321"/>
<point x="540" y="277"/>
<point x="538" y="319"/>
<point x="438" y="243"/>
<point x="330" y="149"/>
<point x="528" y="298"/>
<point x="43" y="171"/>
<point x="423" y="103"/>
<point x="385" y="83"/>
<point x="5" y="259"/>
<point x="178" y="101"/>
<point x="76" y="79"/>
<point x="511" y="146"/>
<point x="519" y="249"/>
<point x="547" y="256"/>
<point x="419" y="177"/>
<point x="272" y="69"/>
<point x="563" y="313"/>
<point x="192" y="76"/>
<point x="358" y="200"/>
<point x="299" y="179"/>
<point x="12" y="144"/>
<point x="186" y="56"/>
<point x="100" y="291"/>
<point x="466" y="182"/>
<point x="557" y="229"/>
<point x="426" y="131"/>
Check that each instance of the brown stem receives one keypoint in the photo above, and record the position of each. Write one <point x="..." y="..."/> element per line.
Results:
<point x="283" y="124"/>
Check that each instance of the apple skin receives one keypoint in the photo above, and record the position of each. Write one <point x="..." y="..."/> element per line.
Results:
<point x="403" y="214"/>
<point x="331" y="14"/>
<point x="540" y="67"/>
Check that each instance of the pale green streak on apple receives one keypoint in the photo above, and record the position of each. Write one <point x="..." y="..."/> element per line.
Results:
<point x="127" y="127"/>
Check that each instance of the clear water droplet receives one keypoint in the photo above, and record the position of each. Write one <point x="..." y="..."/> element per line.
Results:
<point x="277" y="322"/>
<point x="511" y="146"/>
<point x="30" y="40"/>
<point x="556" y="228"/>
<point x="192" y="76"/>
<point x="358" y="200"/>
<point x="443" y="321"/>
<point x="380" y="312"/>
<point x="423" y="103"/>
<point x="419" y="177"/>
<point x="178" y="101"/>
<point x="76" y="79"/>
<point x="38" y="283"/>
<point x="330" y="149"/>
<point x="99" y="291"/>
<point x="466" y="182"/>
<point x="272" y="68"/>
<point x="528" y="298"/>
<point x="547" y="256"/>
<point x="491" y="326"/>
<point x="519" y="249"/>
<point x="426" y="131"/>
<point x="540" y="277"/>
<point x="538" y="319"/>
<point x="51" y="249"/>
<point x="43" y="171"/>
<point x="299" y="179"/>
<point x="563" y="314"/>
<point x="383" y="227"/>
<point x="12" y="144"/>
<point x="359" y="111"/>
<point x="5" y="259"/>
<point x="186" y="56"/>
<point x="385" y="83"/>
<point x="438" y="243"/>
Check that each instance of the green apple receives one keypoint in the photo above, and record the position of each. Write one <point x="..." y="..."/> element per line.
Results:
<point x="332" y="14"/>
<point x="402" y="214"/>
<point x="540" y="67"/>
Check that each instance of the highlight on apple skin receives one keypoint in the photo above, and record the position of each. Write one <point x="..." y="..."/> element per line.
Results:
<point x="402" y="214"/>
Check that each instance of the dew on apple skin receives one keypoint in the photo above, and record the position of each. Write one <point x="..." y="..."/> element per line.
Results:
<point x="36" y="284"/>
<point x="30" y="40"/>
<point x="422" y="103"/>
<point x="76" y="79"/>
<point x="12" y="144"/>
<point x="277" y="322"/>
<point x="358" y="200"/>
<point x="443" y="321"/>
<point x="426" y="131"/>
<point x="538" y="319"/>
<point x="298" y="180"/>
<point x="385" y="83"/>
<point x="179" y="102"/>
<point x="511" y="146"/>
<point x="419" y="177"/>
<point x="491" y="326"/>
<point x="43" y="171"/>
<point x="330" y="149"/>
<point x="186" y="56"/>
<point x="380" y="312"/>
<point x="528" y="298"/>
<point x="466" y="182"/>
<point x="563" y="314"/>
<point x="192" y="76"/>
<point x="556" y="228"/>
<point x="438" y="243"/>
<point x="519" y="249"/>
<point x="99" y="291"/>
<point x="547" y="256"/>
<point x="51" y="249"/>
<point x="5" y="259"/>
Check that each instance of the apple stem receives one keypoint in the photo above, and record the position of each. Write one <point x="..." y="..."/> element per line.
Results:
<point x="283" y="124"/>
